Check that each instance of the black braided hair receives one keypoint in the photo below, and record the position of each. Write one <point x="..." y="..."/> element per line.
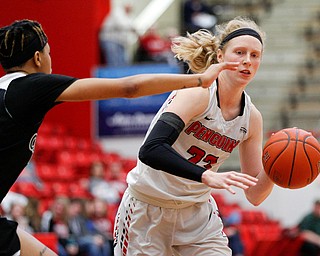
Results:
<point x="19" y="41"/>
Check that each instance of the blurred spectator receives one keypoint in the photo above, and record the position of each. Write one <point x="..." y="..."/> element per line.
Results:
<point x="17" y="213"/>
<point x="198" y="15"/>
<point x="309" y="228"/>
<point x="90" y="241"/>
<point x="58" y="224"/>
<point x="32" y="212"/>
<point x="154" y="47"/>
<point x="101" y="219"/>
<point x="13" y="197"/>
<point x="116" y="36"/>
<point x="98" y="185"/>
<point x="117" y="177"/>
<point x="231" y="229"/>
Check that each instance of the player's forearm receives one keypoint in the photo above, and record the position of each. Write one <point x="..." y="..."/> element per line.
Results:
<point x="163" y="157"/>
<point x="148" y="84"/>
<point x="128" y="87"/>
<point x="310" y="237"/>
<point x="258" y="193"/>
<point x="157" y="151"/>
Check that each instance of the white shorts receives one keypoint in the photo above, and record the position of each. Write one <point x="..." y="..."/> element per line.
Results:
<point x="145" y="229"/>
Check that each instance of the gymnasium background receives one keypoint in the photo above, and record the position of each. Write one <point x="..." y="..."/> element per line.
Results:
<point x="285" y="89"/>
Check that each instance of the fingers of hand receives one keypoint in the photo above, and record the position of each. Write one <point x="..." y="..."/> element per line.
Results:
<point x="230" y="65"/>
<point x="228" y="188"/>
<point x="241" y="180"/>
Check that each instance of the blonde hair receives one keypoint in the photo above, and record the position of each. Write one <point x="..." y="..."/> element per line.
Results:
<point x="199" y="49"/>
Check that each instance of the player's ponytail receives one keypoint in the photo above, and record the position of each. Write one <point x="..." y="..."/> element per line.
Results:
<point x="198" y="50"/>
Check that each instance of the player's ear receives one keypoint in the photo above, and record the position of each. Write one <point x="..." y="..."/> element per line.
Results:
<point x="37" y="59"/>
<point x="219" y="55"/>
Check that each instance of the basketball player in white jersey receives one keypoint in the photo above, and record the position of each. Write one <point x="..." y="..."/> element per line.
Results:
<point x="28" y="91"/>
<point x="167" y="209"/>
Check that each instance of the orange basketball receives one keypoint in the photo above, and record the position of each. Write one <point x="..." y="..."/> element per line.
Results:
<point x="291" y="158"/>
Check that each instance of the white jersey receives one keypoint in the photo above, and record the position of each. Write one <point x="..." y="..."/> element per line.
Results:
<point x="207" y="140"/>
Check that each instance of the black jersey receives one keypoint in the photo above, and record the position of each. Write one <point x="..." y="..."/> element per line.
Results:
<point x="24" y="102"/>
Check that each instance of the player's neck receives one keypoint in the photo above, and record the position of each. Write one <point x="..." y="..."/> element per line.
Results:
<point x="10" y="71"/>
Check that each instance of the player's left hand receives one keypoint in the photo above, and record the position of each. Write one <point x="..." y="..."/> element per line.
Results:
<point x="226" y="180"/>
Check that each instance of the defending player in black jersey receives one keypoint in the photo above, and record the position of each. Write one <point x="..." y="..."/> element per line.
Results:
<point x="28" y="91"/>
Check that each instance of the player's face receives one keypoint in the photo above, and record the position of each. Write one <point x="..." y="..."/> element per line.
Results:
<point x="46" y="60"/>
<point x="247" y="50"/>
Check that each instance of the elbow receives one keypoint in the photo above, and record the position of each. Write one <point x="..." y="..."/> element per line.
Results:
<point x="130" y="89"/>
<point x="142" y="155"/>
<point x="255" y="203"/>
<point x="255" y="200"/>
<point x="258" y="193"/>
<point x="145" y="156"/>
<point x="149" y="156"/>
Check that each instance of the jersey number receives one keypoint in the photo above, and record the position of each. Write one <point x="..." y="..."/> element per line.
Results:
<point x="199" y="154"/>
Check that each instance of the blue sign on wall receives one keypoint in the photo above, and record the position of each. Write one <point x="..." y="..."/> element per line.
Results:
<point x="119" y="117"/>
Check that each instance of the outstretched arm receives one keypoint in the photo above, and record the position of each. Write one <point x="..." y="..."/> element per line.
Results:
<point x="140" y="85"/>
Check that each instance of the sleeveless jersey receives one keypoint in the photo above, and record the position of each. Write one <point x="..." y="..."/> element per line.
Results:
<point x="24" y="101"/>
<point x="207" y="140"/>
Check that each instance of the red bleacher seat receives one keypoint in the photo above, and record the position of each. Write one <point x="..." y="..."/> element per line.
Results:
<point x="286" y="246"/>
<point x="65" y="173"/>
<point x="47" y="191"/>
<point x="49" y="239"/>
<point x="46" y="172"/>
<point x="61" y="189"/>
<point x="77" y="190"/>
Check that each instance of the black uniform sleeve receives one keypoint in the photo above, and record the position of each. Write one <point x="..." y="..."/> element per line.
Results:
<point x="29" y="98"/>
<point x="158" y="153"/>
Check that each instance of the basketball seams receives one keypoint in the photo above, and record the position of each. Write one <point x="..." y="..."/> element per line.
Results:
<point x="275" y="159"/>
<point x="306" y="153"/>
<point x="273" y="142"/>
<point x="294" y="155"/>
<point x="311" y="145"/>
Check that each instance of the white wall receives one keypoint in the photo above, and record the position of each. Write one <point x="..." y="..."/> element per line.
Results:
<point x="126" y="146"/>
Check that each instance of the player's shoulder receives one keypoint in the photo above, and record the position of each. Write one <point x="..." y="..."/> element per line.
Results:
<point x="193" y="93"/>
<point x="42" y="79"/>
<point x="254" y="111"/>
